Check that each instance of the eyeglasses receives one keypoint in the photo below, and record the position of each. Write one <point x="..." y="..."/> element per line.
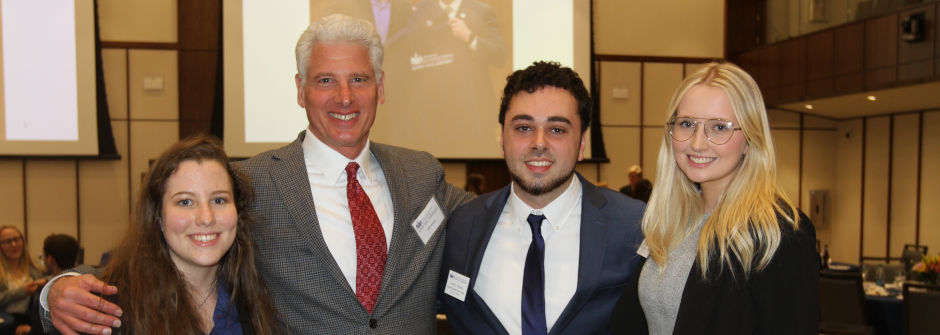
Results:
<point x="718" y="131"/>
<point x="10" y="241"/>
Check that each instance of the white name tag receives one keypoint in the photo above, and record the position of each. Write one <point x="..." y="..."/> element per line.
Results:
<point x="457" y="285"/>
<point x="643" y="250"/>
<point x="428" y="221"/>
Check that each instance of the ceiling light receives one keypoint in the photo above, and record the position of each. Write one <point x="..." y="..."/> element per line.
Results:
<point x="872" y="98"/>
<point x="808" y="106"/>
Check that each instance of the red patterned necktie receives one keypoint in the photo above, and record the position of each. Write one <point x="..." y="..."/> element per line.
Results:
<point x="370" y="240"/>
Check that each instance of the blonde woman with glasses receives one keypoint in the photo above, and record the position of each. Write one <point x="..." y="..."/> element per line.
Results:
<point x="726" y="251"/>
<point x="19" y="275"/>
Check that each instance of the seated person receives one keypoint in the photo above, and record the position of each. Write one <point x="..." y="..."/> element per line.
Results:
<point x="59" y="252"/>
<point x="19" y="275"/>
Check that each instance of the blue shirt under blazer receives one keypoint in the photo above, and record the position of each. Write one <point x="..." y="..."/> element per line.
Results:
<point x="610" y="235"/>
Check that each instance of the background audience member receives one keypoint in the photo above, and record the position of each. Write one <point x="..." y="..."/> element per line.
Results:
<point x="639" y="188"/>
<point x="728" y="252"/>
<point x="60" y="252"/>
<point x="19" y="275"/>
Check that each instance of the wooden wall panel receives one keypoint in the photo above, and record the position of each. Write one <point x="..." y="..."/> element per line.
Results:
<point x="793" y="69"/>
<point x="199" y="25"/>
<point x="846" y="199"/>
<point x="620" y="75"/>
<point x="11" y="199"/>
<point x="627" y="153"/>
<point x="114" y="66"/>
<point x="848" y="58"/>
<point x="819" y="64"/>
<point x="104" y="194"/>
<point x="881" y="51"/>
<point x="750" y="62"/>
<point x="787" y="147"/>
<point x="652" y="141"/>
<point x="903" y="182"/>
<point x="51" y="200"/>
<point x="875" y="205"/>
<point x="162" y="104"/>
<point x="660" y="81"/>
<point x="197" y="90"/>
<point x="770" y="72"/>
<point x="930" y="186"/>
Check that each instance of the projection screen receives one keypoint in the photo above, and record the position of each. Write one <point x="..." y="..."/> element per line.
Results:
<point x="441" y="93"/>
<point x="47" y="78"/>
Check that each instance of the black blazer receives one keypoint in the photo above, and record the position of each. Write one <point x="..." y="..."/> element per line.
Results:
<point x="610" y="235"/>
<point x="781" y="299"/>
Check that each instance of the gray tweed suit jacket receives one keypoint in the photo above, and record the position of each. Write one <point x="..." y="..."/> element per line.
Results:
<point x="307" y="286"/>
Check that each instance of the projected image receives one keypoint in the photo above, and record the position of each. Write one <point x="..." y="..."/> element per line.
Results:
<point x="445" y="64"/>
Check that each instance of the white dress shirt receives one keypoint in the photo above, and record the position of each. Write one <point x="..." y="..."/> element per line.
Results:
<point x="326" y="170"/>
<point x="499" y="281"/>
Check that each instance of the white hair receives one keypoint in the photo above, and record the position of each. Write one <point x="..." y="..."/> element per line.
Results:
<point x="339" y="28"/>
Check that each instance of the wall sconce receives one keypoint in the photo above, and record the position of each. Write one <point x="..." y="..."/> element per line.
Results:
<point x="912" y="28"/>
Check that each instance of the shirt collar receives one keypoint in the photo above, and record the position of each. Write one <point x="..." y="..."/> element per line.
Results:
<point x="555" y="212"/>
<point x="322" y="159"/>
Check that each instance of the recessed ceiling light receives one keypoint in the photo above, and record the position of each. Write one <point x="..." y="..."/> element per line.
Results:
<point x="872" y="98"/>
<point x="808" y="106"/>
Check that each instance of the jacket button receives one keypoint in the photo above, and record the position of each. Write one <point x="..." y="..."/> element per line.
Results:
<point x="373" y="323"/>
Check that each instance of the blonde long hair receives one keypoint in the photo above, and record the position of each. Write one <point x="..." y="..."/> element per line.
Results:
<point x="742" y="228"/>
<point x="25" y="262"/>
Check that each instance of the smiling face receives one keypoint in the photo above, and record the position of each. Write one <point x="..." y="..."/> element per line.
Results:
<point x="542" y="141"/>
<point x="711" y="165"/>
<point x="11" y="242"/>
<point x="340" y="93"/>
<point x="199" y="215"/>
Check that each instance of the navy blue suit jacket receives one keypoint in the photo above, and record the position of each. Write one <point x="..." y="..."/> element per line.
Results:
<point x="610" y="235"/>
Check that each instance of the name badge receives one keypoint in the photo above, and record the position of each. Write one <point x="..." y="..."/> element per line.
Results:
<point x="643" y="250"/>
<point x="457" y="285"/>
<point x="428" y="221"/>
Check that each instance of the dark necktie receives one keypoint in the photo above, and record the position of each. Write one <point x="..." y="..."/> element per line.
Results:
<point x="533" y="281"/>
<point x="370" y="240"/>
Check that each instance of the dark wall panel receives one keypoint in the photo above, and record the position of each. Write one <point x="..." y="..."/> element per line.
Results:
<point x="199" y="24"/>
<point x="793" y="69"/>
<point x="881" y="51"/>
<point x="769" y="78"/>
<point x="848" y="58"/>
<point x="819" y="63"/>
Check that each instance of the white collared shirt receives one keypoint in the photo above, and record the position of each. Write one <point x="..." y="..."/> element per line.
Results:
<point x="499" y="281"/>
<point x="326" y="171"/>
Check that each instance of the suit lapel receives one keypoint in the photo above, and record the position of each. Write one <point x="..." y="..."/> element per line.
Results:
<point x="593" y="244"/>
<point x="289" y="175"/>
<point x="482" y="233"/>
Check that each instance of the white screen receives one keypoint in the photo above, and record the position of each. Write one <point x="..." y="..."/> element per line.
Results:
<point x="48" y="100"/>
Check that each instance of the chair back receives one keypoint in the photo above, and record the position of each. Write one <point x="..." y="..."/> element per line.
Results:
<point x="842" y="303"/>
<point x="921" y="304"/>
<point x="912" y="254"/>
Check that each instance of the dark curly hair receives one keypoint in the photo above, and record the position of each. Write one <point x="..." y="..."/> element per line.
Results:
<point x="541" y="74"/>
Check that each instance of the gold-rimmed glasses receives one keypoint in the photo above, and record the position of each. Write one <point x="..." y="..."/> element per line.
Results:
<point x="718" y="131"/>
